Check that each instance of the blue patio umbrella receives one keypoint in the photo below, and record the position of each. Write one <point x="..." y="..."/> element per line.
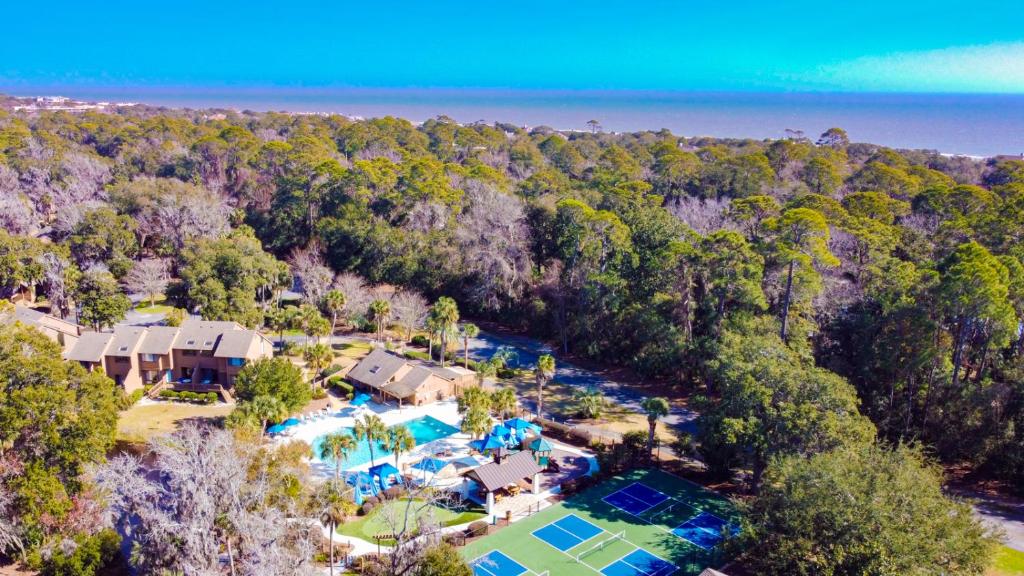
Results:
<point x="290" y="422"/>
<point x="500" y="430"/>
<point x="276" y="429"/>
<point x="361" y="399"/>
<point x="522" y="425"/>
<point x="489" y="442"/>
<point x="432" y="465"/>
<point x="361" y="481"/>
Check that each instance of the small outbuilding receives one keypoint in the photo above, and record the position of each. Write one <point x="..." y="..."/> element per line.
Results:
<point x="504" y="472"/>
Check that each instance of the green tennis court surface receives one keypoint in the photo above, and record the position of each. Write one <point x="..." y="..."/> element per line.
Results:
<point x="645" y="523"/>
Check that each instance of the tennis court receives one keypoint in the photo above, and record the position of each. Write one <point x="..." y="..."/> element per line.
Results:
<point x="494" y="563"/>
<point x="621" y="527"/>
<point x="703" y="529"/>
<point x="567" y="532"/>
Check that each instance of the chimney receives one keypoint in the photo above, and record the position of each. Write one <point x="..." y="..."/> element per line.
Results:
<point x="499" y="455"/>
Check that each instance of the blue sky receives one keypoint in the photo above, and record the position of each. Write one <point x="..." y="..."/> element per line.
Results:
<point x="868" y="45"/>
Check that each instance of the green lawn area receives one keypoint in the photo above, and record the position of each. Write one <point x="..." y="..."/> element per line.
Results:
<point x="518" y="542"/>
<point x="143" y="307"/>
<point x="142" y="422"/>
<point x="354" y="350"/>
<point x="381" y="520"/>
<point x="1009" y="562"/>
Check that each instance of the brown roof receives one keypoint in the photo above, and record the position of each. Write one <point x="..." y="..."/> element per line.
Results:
<point x="510" y="471"/>
<point x="158" y="340"/>
<point x="377" y="368"/>
<point x="90" y="347"/>
<point x="412" y="380"/>
<point x="37" y="319"/>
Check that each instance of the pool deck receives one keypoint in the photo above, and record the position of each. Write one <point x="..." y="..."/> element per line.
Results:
<point x="446" y="411"/>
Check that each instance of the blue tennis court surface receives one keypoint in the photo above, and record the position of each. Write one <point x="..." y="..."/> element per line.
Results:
<point x="567" y="532"/>
<point x="636" y="498"/>
<point x="639" y="562"/>
<point x="704" y="530"/>
<point x="494" y="563"/>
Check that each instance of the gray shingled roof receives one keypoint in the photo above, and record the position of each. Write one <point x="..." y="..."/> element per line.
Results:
<point x="376" y="368"/>
<point x="126" y="338"/>
<point x="409" y="383"/>
<point x="510" y="471"/>
<point x="201" y="334"/>
<point x="235" y="343"/>
<point x="158" y="340"/>
<point x="90" y="347"/>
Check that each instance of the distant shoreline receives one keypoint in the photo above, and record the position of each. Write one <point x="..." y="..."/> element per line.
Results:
<point x="972" y="125"/>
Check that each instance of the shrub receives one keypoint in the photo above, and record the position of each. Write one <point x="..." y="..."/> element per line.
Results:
<point x="128" y="400"/>
<point x="393" y="493"/>
<point x="366" y="508"/>
<point x="506" y="373"/>
<point x="420" y="340"/>
<point x="169" y="394"/>
<point x="332" y="369"/>
<point x="340" y="386"/>
<point x="210" y="398"/>
<point x="289" y="348"/>
<point x="478" y="528"/>
<point x="319" y="394"/>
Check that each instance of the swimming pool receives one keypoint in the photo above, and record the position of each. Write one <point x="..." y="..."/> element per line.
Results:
<point x="424" y="429"/>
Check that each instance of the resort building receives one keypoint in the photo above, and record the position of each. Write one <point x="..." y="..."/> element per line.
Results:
<point x="392" y="377"/>
<point x="201" y="354"/>
<point x="60" y="331"/>
<point x="506" y="472"/>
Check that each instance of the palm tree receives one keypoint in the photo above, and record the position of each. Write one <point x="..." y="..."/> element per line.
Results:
<point x="543" y="373"/>
<point x="468" y="331"/>
<point x="380" y="312"/>
<point x="590" y="402"/>
<point x="334" y="508"/>
<point x="476" y="422"/>
<point x="336" y="447"/>
<point x="281" y="319"/>
<point x="319" y="326"/>
<point x="372" y="429"/>
<point x="474" y="396"/>
<point x="267" y="409"/>
<point x="317" y="357"/>
<point x="306" y="318"/>
<point x="400" y="440"/>
<point x="430" y="325"/>
<point x="445" y="313"/>
<point x="655" y="408"/>
<point x="334" y="301"/>
<point x="504" y="401"/>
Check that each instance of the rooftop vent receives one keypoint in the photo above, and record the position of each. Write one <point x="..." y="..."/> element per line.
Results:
<point x="190" y="342"/>
<point x="208" y="343"/>
<point x="122" y="349"/>
<point x="375" y="369"/>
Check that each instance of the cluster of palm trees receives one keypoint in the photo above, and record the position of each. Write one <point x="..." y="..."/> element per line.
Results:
<point x="478" y="405"/>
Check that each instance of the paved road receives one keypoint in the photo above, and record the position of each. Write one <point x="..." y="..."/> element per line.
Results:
<point x="527" y="351"/>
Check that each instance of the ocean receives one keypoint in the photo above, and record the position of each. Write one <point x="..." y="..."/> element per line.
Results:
<point x="968" y="124"/>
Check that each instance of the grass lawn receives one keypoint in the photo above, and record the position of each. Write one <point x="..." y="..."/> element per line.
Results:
<point x="158" y="309"/>
<point x="354" y="350"/>
<point x="381" y="520"/>
<point x="519" y="543"/>
<point x="1009" y="562"/>
<point x="142" y="422"/>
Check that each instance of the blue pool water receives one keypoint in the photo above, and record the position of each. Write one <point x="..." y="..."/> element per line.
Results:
<point x="424" y="429"/>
